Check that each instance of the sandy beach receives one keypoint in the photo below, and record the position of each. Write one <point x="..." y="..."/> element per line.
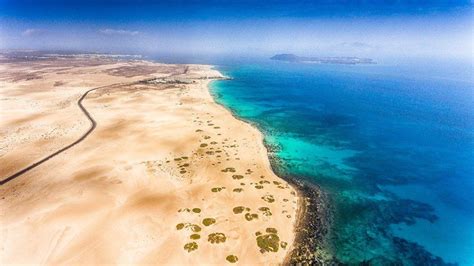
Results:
<point x="166" y="176"/>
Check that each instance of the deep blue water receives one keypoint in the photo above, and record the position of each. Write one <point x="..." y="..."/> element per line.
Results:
<point x="392" y="144"/>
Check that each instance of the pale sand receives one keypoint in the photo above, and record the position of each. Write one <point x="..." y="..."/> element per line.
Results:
<point x="119" y="195"/>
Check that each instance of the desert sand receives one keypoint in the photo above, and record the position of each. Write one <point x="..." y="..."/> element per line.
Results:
<point x="167" y="176"/>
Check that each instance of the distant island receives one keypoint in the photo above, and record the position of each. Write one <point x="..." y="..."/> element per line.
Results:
<point x="323" y="60"/>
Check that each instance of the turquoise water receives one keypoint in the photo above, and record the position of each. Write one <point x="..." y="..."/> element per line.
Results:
<point x="391" y="144"/>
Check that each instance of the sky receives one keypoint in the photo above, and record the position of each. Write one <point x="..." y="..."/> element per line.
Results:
<point x="211" y="27"/>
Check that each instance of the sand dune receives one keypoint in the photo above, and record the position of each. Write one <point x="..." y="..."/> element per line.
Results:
<point x="167" y="177"/>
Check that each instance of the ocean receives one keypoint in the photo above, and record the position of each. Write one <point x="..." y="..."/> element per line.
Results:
<point x="391" y="144"/>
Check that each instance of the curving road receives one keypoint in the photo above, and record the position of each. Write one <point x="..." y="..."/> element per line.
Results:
<point x="91" y="128"/>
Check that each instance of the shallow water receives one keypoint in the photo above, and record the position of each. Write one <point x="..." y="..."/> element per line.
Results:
<point x="391" y="144"/>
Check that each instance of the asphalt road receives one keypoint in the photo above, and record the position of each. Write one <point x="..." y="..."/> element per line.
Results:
<point x="83" y="137"/>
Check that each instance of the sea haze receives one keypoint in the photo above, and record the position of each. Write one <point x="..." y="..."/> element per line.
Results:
<point x="391" y="144"/>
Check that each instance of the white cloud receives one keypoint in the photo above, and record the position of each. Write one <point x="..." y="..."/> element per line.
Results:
<point x="355" y="48"/>
<point x="32" y="32"/>
<point x="356" y="45"/>
<point x="118" y="32"/>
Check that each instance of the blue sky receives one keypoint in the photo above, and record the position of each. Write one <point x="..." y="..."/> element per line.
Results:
<point x="381" y="28"/>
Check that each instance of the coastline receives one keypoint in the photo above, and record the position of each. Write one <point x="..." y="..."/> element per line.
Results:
<point x="300" y="217"/>
<point x="257" y="95"/>
<point x="313" y="215"/>
<point x="187" y="169"/>
<point x="303" y="216"/>
<point x="312" y="228"/>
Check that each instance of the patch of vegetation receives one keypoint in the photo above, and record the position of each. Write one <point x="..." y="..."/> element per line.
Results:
<point x="196" y="210"/>
<point x="216" y="238"/>
<point x="228" y="169"/>
<point x="268" y="243"/>
<point x="179" y="226"/>
<point x="250" y="217"/>
<point x="238" y="190"/>
<point x="237" y="177"/>
<point x="195" y="236"/>
<point x="258" y="186"/>
<point x="217" y="189"/>
<point x="238" y="209"/>
<point x="283" y="244"/>
<point x="271" y="230"/>
<point x="208" y="221"/>
<point x="268" y="198"/>
<point x="232" y="258"/>
<point x="266" y="211"/>
<point x="191" y="246"/>
<point x="195" y="228"/>
<point x="203" y="145"/>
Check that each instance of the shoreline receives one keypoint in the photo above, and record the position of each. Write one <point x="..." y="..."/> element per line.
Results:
<point x="313" y="227"/>
<point x="300" y="213"/>
<point x="190" y="173"/>
<point x="316" y="214"/>
<point x="313" y="206"/>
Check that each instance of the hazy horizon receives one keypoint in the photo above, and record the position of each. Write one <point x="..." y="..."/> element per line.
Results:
<point x="212" y="28"/>
<point x="206" y="150"/>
